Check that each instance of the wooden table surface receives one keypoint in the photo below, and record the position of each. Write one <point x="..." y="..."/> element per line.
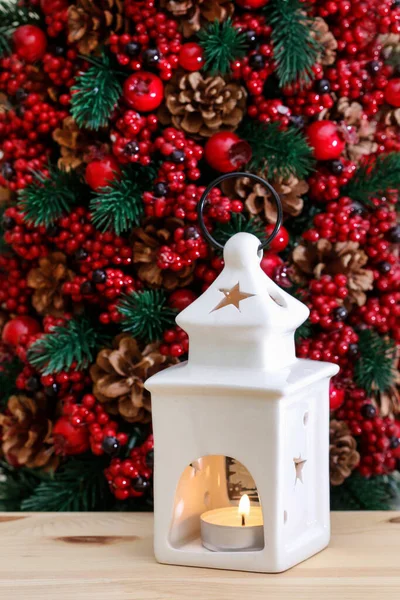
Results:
<point x="108" y="556"/>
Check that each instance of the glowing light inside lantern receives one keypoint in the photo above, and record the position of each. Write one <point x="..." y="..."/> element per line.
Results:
<point x="244" y="508"/>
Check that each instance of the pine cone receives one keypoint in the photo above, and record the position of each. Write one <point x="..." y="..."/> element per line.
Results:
<point x="204" y="106"/>
<point x="192" y="14"/>
<point x="73" y="143"/>
<point x="259" y="200"/>
<point x="360" y="131"/>
<point x="119" y="375"/>
<point x="89" y="21"/>
<point x="26" y="434"/>
<point x="47" y="281"/>
<point x="313" y="260"/>
<point x="343" y="456"/>
<point x="148" y="240"/>
<point x="326" y="39"/>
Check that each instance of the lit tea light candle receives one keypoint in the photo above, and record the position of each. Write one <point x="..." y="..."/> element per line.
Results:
<point x="233" y="528"/>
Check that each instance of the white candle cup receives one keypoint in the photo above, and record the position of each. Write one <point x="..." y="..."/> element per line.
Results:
<point x="222" y="530"/>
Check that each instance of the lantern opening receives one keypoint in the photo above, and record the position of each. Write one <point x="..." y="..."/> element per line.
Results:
<point x="213" y="484"/>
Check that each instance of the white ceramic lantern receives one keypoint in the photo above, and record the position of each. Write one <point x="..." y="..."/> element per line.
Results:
<point x="242" y="394"/>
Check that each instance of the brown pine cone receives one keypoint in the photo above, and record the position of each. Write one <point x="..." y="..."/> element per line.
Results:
<point x="147" y="241"/>
<point x="360" y="131"/>
<point x="192" y="14"/>
<point x="326" y="39"/>
<point x="73" y="144"/>
<point x="119" y="374"/>
<point x="47" y="281"/>
<point x="343" y="456"/>
<point x="203" y="106"/>
<point x="89" y="21"/>
<point x="26" y="434"/>
<point x="314" y="260"/>
<point x="258" y="199"/>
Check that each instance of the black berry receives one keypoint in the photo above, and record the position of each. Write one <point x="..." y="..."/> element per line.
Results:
<point x="394" y="235"/>
<point x="151" y="57"/>
<point x="99" y="276"/>
<point x="21" y="95"/>
<point x="110" y="445"/>
<point x="251" y="39"/>
<point x="33" y="383"/>
<point x="131" y="148"/>
<point x="132" y="49"/>
<point x="191" y="233"/>
<point x="368" y="411"/>
<point x="52" y="230"/>
<point x="81" y="254"/>
<point x="150" y="459"/>
<point x="7" y="171"/>
<point x="297" y="121"/>
<point x="52" y="390"/>
<point x="394" y="442"/>
<point x="353" y="350"/>
<point x="140" y="485"/>
<point x="177" y="156"/>
<point x="87" y="288"/>
<point x="323" y="86"/>
<point x="374" y="66"/>
<point x="336" y="167"/>
<point x="341" y="313"/>
<point x="160" y="189"/>
<point x="257" y="61"/>
<point x="7" y="222"/>
<point x="384" y="267"/>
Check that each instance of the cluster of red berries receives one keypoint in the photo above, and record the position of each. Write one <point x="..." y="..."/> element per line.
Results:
<point x="61" y="70"/>
<point x="379" y="439"/>
<point x="132" y="139"/>
<point x="56" y="16"/>
<point x="25" y="239"/>
<point x="16" y="76"/>
<point x="155" y="44"/>
<point x="337" y="346"/>
<point x="269" y="111"/>
<point x="326" y="182"/>
<point x="175" y="343"/>
<point x="14" y="291"/>
<point x="207" y="272"/>
<point x="325" y="301"/>
<point x="130" y="477"/>
<point x="187" y="247"/>
<point x="343" y="221"/>
<point x="311" y="99"/>
<point x="381" y="313"/>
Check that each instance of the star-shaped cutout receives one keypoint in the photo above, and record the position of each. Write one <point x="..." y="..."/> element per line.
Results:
<point x="232" y="296"/>
<point x="298" y="465"/>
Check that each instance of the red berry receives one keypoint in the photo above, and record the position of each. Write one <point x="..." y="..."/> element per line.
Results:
<point x="251" y="4"/>
<point x="325" y="139"/>
<point x="226" y="152"/>
<point x="143" y="91"/>
<point x="180" y="299"/>
<point x="392" y="92"/>
<point x="30" y="43"/>
<point x="100" y="173"/>
<point x="70" y="439"/>
<point x="269" y="263"/>
<point x="20" y="326"/>
<point x="336" y="397"/>
<point x="281" y="239"/>
<point x="191" y="56"/>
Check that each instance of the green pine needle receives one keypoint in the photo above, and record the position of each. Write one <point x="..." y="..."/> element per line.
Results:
<point x="376" y="180"/>
<point x="12" y="15"/>
<point x="359" y="493"/>
<point x="222" y="43"/>
<point x="17" y="485"/>
<point x="48" y="198"/>
<point x="8" y="375"/>
<point x="78" y="485"/>
<point x="145" y="315"/>
<point x="75" y="342"/>
<point x="277" y="152"/>
<point x="119" y="206"/>
<point x="374" y="370"/>
<point x="95" y="94"/>
<point x="295" y="49"/>
<point x="238" y="223"/>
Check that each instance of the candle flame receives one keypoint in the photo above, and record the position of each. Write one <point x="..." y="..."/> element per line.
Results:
<point x="244" y="505"/>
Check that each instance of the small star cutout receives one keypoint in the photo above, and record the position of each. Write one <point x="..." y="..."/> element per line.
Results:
<point x="298" y="465"/>
<point x="232" y="296"/>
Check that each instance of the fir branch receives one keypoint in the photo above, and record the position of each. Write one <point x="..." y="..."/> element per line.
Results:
<point x="236" y="224"/>
<point x="222" y="43"/>
<point x="75" y="342"/>
<point x="17" y="484"/>
<point x="371" y="181"/>
<point x="119" y="206"/>
<point x="48" y="198"/>
<point x="145" y="315"/>
<point x="295" y="48"/>
<point x="95" y="94"/>
<point x="277" y="152"/>
<point x="381" y="492"/>
<point x="78" y="485"/>
<point x="8" y="374"/>
<point x="13" y="15"/>
<point x="374" y="370"/>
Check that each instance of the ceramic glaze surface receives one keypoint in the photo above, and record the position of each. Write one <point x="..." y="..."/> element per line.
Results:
<point x="243" y="394"/>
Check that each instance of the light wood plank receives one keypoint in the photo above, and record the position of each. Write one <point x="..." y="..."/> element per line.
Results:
<point x="108" y="556"/>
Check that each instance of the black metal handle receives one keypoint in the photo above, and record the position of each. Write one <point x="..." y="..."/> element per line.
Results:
<point x="213" y="184"/>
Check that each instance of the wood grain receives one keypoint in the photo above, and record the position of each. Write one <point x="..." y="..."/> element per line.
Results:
<point x="108" y="556"/>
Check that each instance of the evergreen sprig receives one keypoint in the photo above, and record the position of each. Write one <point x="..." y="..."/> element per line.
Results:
<point x="295" y="48"/>
<point x="222" y="43"/>
<point x="375" y="180"/>
<point x="95" y="93"/>
<point x="12" y="15"/>
<point x="359" y="493"/>
<point x="8" y="375"/>
<point x="238" y="223"/>
<point x="17" y="484"/>
<point x="276" y="152"/>
<point x="74" y="342"/>
<point x="78" y="485"/>
<point x="48" y="198"/>
<point x="374" y="370"/>
<point x="119" y="206"/>
<point x="146" y="315"/>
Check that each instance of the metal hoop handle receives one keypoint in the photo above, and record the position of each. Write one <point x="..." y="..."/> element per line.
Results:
<point x="213" y="184"/>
